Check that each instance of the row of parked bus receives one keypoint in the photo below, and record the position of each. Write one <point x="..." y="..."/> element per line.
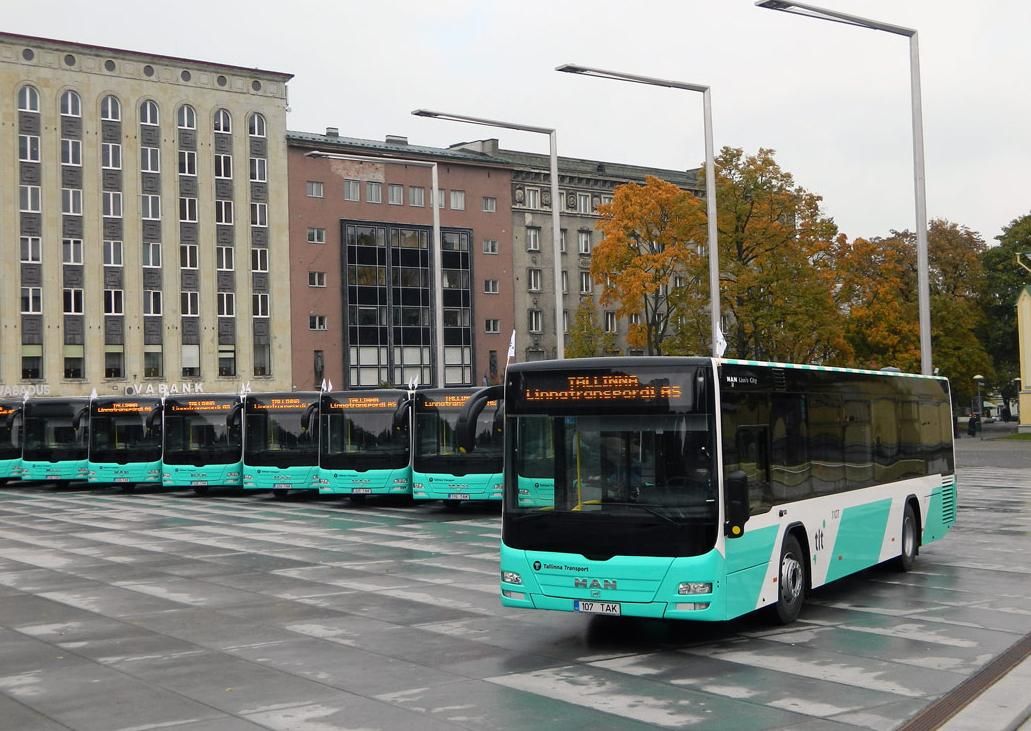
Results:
<point x="355" y="443"/>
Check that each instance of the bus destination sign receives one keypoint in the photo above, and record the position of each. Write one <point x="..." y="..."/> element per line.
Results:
<point x="200" y="406"/>
<point x="615" y="388"/>
<point x="363" y="403"/>
<point x="123" y="407"/>
<point x="286" y="403"/>
<point x="451" y="401"/>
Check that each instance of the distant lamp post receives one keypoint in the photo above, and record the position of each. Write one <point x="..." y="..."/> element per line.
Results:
<point x="718" y="343"/>
<point x="560" y="343"/>
<point x="919" y="183"/>
<point x="979" y="379"/>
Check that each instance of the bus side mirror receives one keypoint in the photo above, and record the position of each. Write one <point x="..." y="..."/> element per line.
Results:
<point x="465" y="428"/>
<point x="233" y="417"/>
<point x="400" y="422"/>
<point x="735" y="488"/>
<point x="498" y="424"/>
<point x="154" y="418"/>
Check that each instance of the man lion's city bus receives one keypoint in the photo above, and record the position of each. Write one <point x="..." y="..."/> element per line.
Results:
<point x="55" y="433"/>
<point x="124" y="441"/>
<point x="203" y="442"/>
<point x="442" y="471"/>
<point x="366" y="444"/>
<point x="694" y="488"/>
<point x="10" y="440"/>
<point x="280" y="442"/>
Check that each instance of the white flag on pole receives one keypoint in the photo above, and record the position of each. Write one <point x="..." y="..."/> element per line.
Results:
<point x="511" y="346"/>
<point x="721" y="342"/>
<point x="323" y="386"/>
<point x="329" y="385"/>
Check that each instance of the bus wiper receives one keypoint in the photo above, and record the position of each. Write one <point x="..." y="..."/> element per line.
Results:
<point x="646" y="508"/>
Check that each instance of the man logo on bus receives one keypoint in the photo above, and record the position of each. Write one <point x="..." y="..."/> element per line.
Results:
<point x="536" y="565"/>
<point x="594" y="584"/>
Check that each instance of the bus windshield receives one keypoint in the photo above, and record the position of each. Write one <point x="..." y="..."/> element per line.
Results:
<point x="363" y="440"/>
<point x="119" y="432"/>
<point x="278" y="433"/>
<point x="10" y="431"/>
<point x="197" y="434"/>
<point x="50" y="432"/>
<point x="437" y="450"/>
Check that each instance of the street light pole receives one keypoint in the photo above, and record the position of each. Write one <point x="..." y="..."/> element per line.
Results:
<point x="438" y="273"/>
<point x="710" y="180"/>
<point x="919" y="181"/>
<point x="560" y="344"/>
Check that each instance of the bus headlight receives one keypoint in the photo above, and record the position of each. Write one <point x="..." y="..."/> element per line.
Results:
<point x="694" y="587"/>
<point x="511" y="577"/>
<point x="401" y="481"/>
<point x="514" y="595"/>
<point x="692" y="607"/>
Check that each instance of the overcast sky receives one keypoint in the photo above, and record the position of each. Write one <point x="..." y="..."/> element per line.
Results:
<point x="832" y="100"/>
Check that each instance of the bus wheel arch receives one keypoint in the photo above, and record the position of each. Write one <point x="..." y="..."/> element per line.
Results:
<point x="909" y="536"/>
<point x="793" y="574"/>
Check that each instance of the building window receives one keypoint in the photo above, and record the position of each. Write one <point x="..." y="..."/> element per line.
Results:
<point x="317" y="322"/>
<point x="189" y="303"/>
<point x="635" y="318"/>
<point x="71" y="201"/>
<point x="533" y="280"/>
<point x="150" y="160"/>
<point x="28" y="198"/>
<point x="314" y="189"/>
<point x="72" y="366"/>
<point x="610" y="322"/>
<point x="316" y="279"/>
<point x="187" y="162"/>
<point x="32" y="367"/>
<point x="262" y="360"/>
<point x="259" y="260"/>
<point x="259" y="214"/>
<point x="491" y="286"/>
<point x="191" y="361"/>
<point x="259" y="170"/>
<point x="319" y="364"/>
<point x="28" y="99"/>
<point x="188" y="210"/>
<point x="490" y="204"/>
<point x="536" y="321"/>
<point x="256" y="125"/>
<point x="492" y="326"/>
<point x="152" y="302"/>
<point x="113" y="304"/>
<point x="28" y="148"/>
<point x="110" y="109"/>
<point x="373" y="192"/>
<point x="150" y="207"/>
<point x="260" y="304"/>
<point x="151" y="256"/>
<point x="533" y="197"/>
<point x="153" y="365"/>
<point x="72" y="301"/>
<point x="223" y="166"/>
<point x="585" y="283"/>
<point x="31" y="300"/>
<point x="606" y="199"/>
<point x="71" y="152"/>
<point x="112" y="253"/>
<point x="416" y="196"/>
<point x="352" y="190"/>
<point x="31" y="250"/>
<point x="112" y="204"/>
<point x="490" y="246"/>
<point x="316" y="235"/>
<point x="584" y="241"/>
<point x="71" y="251"/>
<point x="188" y="255"/>
<point x="565" y="281"/>
<point x="186" y="117"/>
<point x="678" y="281"/>
<point x="223" y="122"/>
<point x="458" y="200"/>
<point x="583" y="203"/>
<point x="226" y="361"/>
<point x="565" y="321"/>
<point x="226" y="304"/>
<point x="149" y="113"/>
<point x="225" y="258"/>
<point x="113" y="365"/>
<point x="71" y="104"/>
<point x="533" y="238"/>
<point x="111" y="156"/>
<point x="395" y="195"/>
<point x="224" y="212"/>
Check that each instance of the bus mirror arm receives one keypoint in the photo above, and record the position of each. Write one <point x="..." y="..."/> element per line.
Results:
<point x="735" y="487"/>
<point x="233" y="416"/>
<point x="77" y="421"/>
<point x="465" y="429"/>
<point x="404" y="404"/>
<point x="154" y="417"/>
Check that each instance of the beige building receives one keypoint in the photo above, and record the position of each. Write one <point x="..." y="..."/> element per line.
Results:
<point x="143" y="214"/>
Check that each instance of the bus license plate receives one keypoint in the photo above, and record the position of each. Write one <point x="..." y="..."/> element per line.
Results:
<point x="458" y="496"/>
<point x="612" y="608"/>
<point x="199" y="483"/>
<point x="282" y="486"/>
<point x="361" y="491"/>
<point x="121" y="479"/>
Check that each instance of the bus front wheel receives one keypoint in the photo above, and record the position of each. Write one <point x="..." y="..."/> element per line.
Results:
<point x="357" y="499"/>
<point x="791" y="581"/>
<point x="281" y="494"/>
<point x="905" y="560"/>
<point x="201" y="489"/>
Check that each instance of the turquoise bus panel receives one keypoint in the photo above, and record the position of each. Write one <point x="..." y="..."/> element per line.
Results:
<point x="743" y="589"/>
<point x="438" y="486"/>
<point x="214" y="475"/>
<point x="536" y="492"/>
<point x="106" y="473"/>
<point x="10" y="469"/>
<point x="753" y="548"/>
<point x="69" y="469"/>
<point x="297" y="477"/>
<point x="391" y="481"/>
<point x="860" y="536"/>
<point x="941" y="513"/>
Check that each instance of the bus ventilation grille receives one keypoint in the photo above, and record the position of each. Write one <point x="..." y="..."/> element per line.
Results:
<point x="780" y="379"/>
<point x="949" y="502"/>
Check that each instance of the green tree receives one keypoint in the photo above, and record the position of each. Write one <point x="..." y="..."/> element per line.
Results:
<point x="586" y="338"/>
<point x="998" y="298"/>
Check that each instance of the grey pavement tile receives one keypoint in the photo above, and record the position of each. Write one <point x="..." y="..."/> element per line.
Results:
<point x="241" y="561"/>
<point x="352" y="713"/>
<point x="278" y="585"/>
<point x="886" y="717"/>
<point x="399" y="610"/>
<point x="279" y="612"/>
<point x="193" y="592"/>
<point x="980" y="616"/>
<point x="219" y="723"/>
<point x="347" y="577"/>
<point x="22" y="654"/>
<point x="31" y="609"/>
<point x="15" y="716"/>
<point x="209" y="628"/>
<point x="110" y="601"/>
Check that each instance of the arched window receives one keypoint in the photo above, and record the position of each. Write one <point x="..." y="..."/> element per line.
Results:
<point x="71" y="104"/>
<point x="186" y="117"/>
<point x="110" y="109"/>
<point x="28" y="99"/>
<point x="257" y="125"/>
<point x="223" y="121"/>
<point x="149" y="113"/>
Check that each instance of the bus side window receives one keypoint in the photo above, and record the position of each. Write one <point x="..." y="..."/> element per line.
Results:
<point x="789" y="458"/>
<point x="753" y="459"/>
<point x="858" y="445"/>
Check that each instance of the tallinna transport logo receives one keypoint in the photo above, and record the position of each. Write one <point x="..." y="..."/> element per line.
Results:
<point x="536" y="565"/>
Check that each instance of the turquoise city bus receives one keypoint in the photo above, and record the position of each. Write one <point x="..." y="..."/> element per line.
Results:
<point x="203" y="442"/>
<point x="366" y="444"/>
<point x="56" y="446"/>
<point x="10" y="440"/>
<point x="442" y="471"/>
<point x="125" y="441"/>
<point x="281" y="442"/>
<point x="698" y="488"/>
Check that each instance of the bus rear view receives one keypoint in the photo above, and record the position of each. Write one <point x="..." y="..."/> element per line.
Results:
<point x="203" y="443"/>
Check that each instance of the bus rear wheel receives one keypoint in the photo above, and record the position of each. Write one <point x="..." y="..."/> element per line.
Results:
<point x="904" y="561"/>
<point x="791" y="581"/>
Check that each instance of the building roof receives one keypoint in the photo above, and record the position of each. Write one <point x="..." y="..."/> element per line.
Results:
<point x="391" y="149"/>
<point x="140" y="55"/>
<point x="598" y="169"/>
